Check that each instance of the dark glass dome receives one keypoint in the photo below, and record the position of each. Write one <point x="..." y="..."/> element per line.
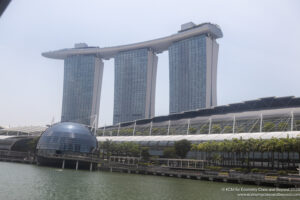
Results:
<point x="67" y="137"/>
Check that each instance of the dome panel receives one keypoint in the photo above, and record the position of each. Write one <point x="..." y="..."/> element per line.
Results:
<point x="67" y="137"/>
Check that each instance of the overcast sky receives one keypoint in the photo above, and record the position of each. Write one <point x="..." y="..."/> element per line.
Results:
<point x="259" y="55"/>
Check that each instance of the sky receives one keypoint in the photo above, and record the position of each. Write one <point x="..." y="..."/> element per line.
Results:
<point x="259" y="54"/>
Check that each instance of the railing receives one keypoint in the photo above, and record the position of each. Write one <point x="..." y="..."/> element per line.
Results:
<point x="164" y="162"/>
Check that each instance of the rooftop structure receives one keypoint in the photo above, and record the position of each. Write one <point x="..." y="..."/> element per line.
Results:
<point x="157" y="45"/>
<point x="262" y="115"/>
<point x="23" y="130"/>
<point x="163" y="141"/>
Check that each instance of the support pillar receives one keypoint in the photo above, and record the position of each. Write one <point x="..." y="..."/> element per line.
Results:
<point x="209" y="128"/>
<point x="188" y="126"/>
<point x="261" y="122"/>
<point x="292" y="121"/>
<point x="233" y="125"/>
<point x="151" y="124"/>
<point x="169" y="127"/>
<point x="134" y="128"/>
<point x="91" y="166"/>
<point x="119" y="129"/>
<point x="63" y="164"/>
<point x="77" y="165"/>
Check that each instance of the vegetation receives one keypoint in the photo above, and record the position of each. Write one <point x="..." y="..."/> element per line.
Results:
<point x="277" y="153"/>
<point x="169" y="152"/>
<point x="192" y="130"/>
<point x="145" y="153"/>
<point x="26" y="145"/>
<point x="131" y="149"/>
<point x="182" y="147"/>
<point x="241" y="126"/>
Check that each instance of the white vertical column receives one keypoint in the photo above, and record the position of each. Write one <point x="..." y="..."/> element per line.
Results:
<point x="233" y="125"/>
<point x="119" y="129"/>
<point x="134" y="128"/>
<point x="292" y="121"/>
<point x="188" y="126"/>
<point x="151" y="124"/>
<point x="209" y="128"/>
<point x="169" y="127"/>
<point x="261" y="122"/>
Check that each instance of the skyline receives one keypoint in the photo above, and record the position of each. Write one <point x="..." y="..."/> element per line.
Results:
<point x="39" y="96"/>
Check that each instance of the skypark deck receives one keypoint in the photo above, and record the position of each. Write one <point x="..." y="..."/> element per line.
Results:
<point x="157" y="45"/>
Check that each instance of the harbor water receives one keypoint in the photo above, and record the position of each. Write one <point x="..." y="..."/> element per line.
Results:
<point x="24" y="181"/>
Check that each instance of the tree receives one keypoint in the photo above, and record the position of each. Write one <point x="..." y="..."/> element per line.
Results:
<point x="106" y="147"/>
<point x="182" y="147"/>
<point x="169" y="152"/>
<point x="145" y="153"/>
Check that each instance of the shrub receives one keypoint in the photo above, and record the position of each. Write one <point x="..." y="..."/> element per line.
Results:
<point x="214" y="168"/>
<point x="169" y="152"/>
<point x="182" y="147"/>
<point x="145" y="153"/>
<point x="282" y="172"/>
<point x="255" y="170"/>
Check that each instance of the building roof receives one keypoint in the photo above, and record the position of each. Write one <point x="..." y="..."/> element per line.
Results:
<point x="68" y="136"/>
<point x="23" y="129"/>
<point x="157" y="45"/>
<point x="266" y="106"/>
<point x="202" y="137"/>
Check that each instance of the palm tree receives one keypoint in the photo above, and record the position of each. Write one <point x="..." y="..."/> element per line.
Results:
<point x="280" y="149"/>
<point x="194" y="148"/>
<point x="261" y="147"/>
<point x="271" y="146"/>
<point x="253" y="145"/>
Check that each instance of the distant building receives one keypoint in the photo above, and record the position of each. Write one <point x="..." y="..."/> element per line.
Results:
<point x="193" y="73"/>
<point x="135" y="77"/>
<point x="82" y="89"/>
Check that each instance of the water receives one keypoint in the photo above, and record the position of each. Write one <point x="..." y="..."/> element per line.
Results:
<point x="22" y="181"/>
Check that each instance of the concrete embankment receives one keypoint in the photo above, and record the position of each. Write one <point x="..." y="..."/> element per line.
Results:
<point x="221" y="176"/>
